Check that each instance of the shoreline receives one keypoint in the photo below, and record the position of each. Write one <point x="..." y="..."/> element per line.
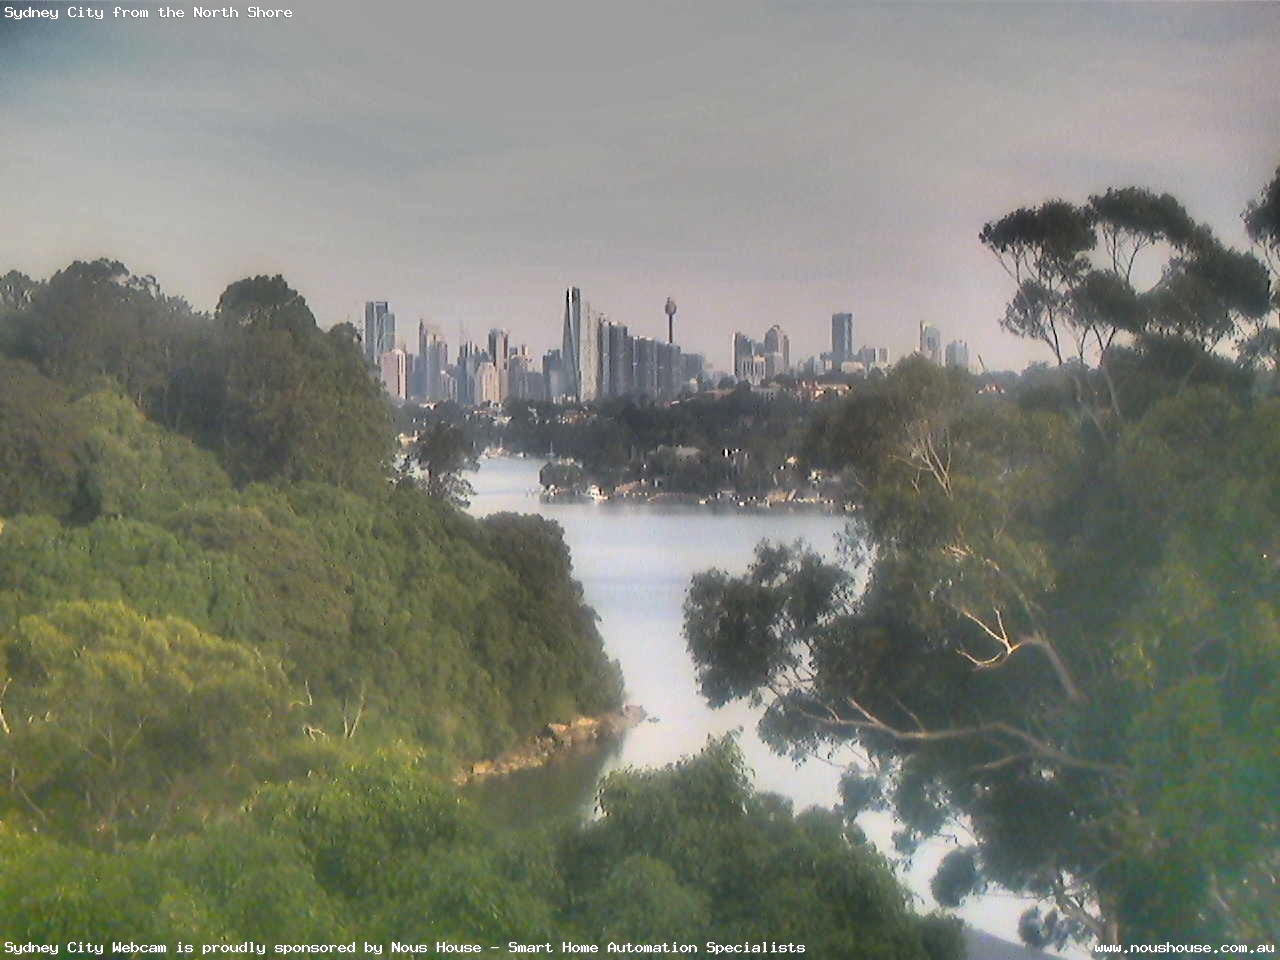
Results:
<point x="554" y="740"/>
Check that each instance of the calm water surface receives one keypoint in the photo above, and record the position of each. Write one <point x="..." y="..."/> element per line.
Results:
<point x="635" y="562"/>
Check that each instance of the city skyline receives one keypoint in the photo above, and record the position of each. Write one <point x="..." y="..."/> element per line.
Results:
<point x="771" y="165"/>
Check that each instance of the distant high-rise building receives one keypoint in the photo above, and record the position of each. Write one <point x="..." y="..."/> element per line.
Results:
<point x="499" y="350"/>
<point x="744" y="348"/>
<point x="931" y="343"/>
<point x="646" y="368"/>
<point x="670" y="368"/>
<point x="958" y="354"/>
<point x="555" y="378"/>
<point x="617" y="357"/>
<point x="570" y="339"/>
<point x="580" y="347"/>
<point x="470" y="357"/>
<point x="871" y="357"/>
<point x="499" y="347"/>
<point x="754" y="370"/>
<point x="695" y="366"/>
<point x="777" y="350"/>
<point x="486" y="384"/>
<point x="379" y="330"/>
<point x="433" y="362"/>
<point x="393" y="366"/>
<point x="524" y="382"/>
<point x="589" y="372"/>
<point x="841" y="338"/>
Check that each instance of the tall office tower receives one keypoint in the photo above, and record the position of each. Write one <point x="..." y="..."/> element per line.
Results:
<point x="604" y="347"/>
<point x="486" y="384"/>
<point x="433" y="361"/>
<point x="841" y="338"/>
<point x="754" y="370"/>
<point x="744" y="348"/>
<point x="519" y="367"/>
<point x="615" y="359"/>
<point x="645" y="380"/>
<point x="777" y="345"/>
<point x="535" y="386"/>
<point x="871" y="357"/>
<point x="499" y="347"/>
<point x="553" y="374"/>
<point x="958" y="354"/>
<point x="571" y="341"/>
<point x="499" y="350"/>
<point x="470" y="356"/>
<point x="669" y="370"/>
<point x="931" y="343"/>
<point x="393" y="367"/>
<point x="695" y="365"/>
<point x="379" y="330"/>
<point x="621" y="359"/>
<point x="589" y="375"/>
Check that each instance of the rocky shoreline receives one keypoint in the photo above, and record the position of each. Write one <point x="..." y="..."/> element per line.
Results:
<point x="555" y="738"/>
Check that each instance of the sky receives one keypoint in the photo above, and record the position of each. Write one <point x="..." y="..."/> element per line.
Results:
<point x="758" y="162"/>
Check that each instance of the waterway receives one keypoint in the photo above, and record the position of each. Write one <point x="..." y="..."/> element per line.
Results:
<point x="635" y="562"/>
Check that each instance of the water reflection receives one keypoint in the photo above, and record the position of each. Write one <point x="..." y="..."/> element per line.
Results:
<point x="565" y="786"/>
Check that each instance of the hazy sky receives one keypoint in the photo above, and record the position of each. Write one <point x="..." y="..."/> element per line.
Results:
<point x="760" y="162"/>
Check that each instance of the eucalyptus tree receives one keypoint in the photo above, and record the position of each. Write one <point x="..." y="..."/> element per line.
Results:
<point x="1081" y="290"/>
<point x="1062" y="642"/>
<point x="1262" y="221"/>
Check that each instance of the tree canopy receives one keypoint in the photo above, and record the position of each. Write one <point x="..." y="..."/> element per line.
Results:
<point x="1059" y="631"/>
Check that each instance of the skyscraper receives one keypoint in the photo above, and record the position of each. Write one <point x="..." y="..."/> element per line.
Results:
<point x="670" y="371"/>
<point x="931" y="343"/>
<point x="379" y="330"/>
<point x="958" y="354"/>
<point x="393" y="367"/>
<point x="589" y="356"/>
<point x="433" y="362"/>
<point x="777" y="351"/>
<point x="615" y="360"/>
<point x="499" y="350"/>
<point x="744" y="349"/>
<point x="646" y="369"/>
<point x="576" y="324"/>
<point x="841" y="338"/>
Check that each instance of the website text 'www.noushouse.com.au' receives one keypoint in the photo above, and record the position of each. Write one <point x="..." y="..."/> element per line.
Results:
<point x="1198" y="948"/>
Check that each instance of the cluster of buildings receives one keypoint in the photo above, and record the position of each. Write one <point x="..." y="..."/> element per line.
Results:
<point x="956" y="354"/>
<point x="756" y="361"/>
<point x="598" y="358"/>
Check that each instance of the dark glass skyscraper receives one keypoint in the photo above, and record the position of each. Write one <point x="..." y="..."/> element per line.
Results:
<point x="379" y="329"/>
<point x="841" y="337"/>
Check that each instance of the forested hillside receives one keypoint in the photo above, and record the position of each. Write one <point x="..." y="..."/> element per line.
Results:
<point x="243" y="653"/>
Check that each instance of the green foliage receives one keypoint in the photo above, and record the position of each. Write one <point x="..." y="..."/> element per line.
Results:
<point x="1066" y="641"/>
<point x="293" y="403"/>
<point x="39" y="441"/>
<point x="1074" y="268"/>
<point x="694" y="845"/>
<point x="376" y="615"/>
<point x="261" y="386"/>
<point x="119" y="724"/>
<point x="698" y="446"/>
<point x="444" y="450"/>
